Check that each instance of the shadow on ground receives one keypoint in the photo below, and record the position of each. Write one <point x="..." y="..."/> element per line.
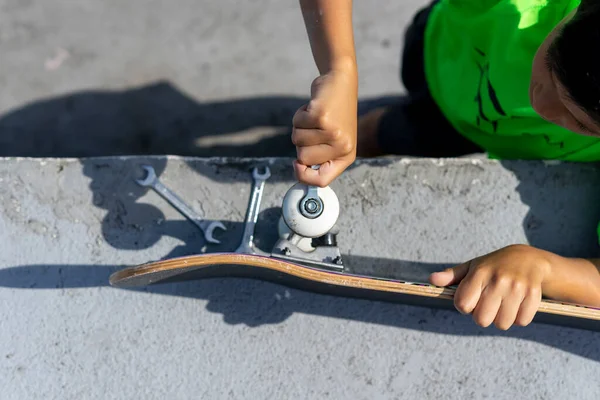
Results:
<point x="159" y="119"/>
<point x="153" y="119"/>
<point x="563" y="203"/>
<point x="255" y="303"/>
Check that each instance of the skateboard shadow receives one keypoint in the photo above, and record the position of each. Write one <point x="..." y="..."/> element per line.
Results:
<point x="255" y="303"/>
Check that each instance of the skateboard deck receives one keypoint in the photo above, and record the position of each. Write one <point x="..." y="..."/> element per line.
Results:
<point x="327" y="281"/>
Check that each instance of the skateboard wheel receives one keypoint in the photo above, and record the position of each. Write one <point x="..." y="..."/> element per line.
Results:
<point x="284" y="231"/>
<point x="310" y="227"/>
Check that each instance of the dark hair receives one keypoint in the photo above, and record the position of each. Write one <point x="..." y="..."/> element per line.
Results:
<point x="574" y="56"/>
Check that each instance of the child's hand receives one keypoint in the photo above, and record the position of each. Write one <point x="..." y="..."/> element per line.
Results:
<point x="325" y="128"/>
<point x="503" y="287"/>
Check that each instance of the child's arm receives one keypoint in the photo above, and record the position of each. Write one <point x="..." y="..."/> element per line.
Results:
<point x="329" y="27"/>
<point x="506" y="286"/>
<point x="573" y="280"/>
<point x="325" y="128"/>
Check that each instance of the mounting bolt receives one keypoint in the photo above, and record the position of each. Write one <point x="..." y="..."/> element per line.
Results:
<point x="311" y="205"/>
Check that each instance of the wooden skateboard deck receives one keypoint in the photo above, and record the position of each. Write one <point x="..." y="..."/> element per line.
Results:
<point x="325" y="281"/>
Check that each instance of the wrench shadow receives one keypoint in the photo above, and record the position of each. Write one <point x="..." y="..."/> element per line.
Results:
<point x="152" y="181"/>
<point x="132" y="225"/>
<point x="193" y="241"/>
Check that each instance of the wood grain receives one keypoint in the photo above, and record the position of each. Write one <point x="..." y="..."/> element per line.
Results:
<point x="155" y="272"/>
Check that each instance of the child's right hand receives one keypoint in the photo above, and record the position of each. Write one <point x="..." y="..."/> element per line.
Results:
<point x="503" y="287"/>
<point x="324" y="130"/>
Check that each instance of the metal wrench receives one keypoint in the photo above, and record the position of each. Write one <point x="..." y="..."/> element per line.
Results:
<point x="247" y="243"/>
<point x="151" y="180"/>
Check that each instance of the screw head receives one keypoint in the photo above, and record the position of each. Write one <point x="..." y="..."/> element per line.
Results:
<point x="311" y="207"/>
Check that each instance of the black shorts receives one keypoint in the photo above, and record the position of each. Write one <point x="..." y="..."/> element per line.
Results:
<point x="415" y="126"/>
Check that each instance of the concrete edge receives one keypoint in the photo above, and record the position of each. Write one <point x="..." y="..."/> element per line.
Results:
<point x="458" y="161"/>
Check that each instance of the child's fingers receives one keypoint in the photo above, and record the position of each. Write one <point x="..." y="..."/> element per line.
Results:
<point x="487" y="307"/>
<point x="306" y="118"/>
<point x="302" y="137"/>
<point x="314" y="155"/>
<point x="509" y="308"/>
<point x="450" y="276"/>
<point x="469" y="293"/>
<point x="321" y="177"/>
<point x="529" y="307"/>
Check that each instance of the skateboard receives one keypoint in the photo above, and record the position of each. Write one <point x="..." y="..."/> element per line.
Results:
<point x="306" y="257"/>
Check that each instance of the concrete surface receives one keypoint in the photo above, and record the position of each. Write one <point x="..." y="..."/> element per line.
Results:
<point x="199" y="78"/>
<point x="223" y="79"/>
<point x="66" y="224"/>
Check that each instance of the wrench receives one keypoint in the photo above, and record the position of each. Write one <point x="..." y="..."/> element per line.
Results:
<point x="247" y="243"/>
<point x="151" y="180"/>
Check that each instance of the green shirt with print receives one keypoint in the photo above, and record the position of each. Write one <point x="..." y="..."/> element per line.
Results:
<point x="478" y="59"/>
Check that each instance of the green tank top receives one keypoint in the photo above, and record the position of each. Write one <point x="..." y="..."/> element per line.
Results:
<point x="478" y="58"/>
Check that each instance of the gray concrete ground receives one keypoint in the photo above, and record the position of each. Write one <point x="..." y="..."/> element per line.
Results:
<point x="199" y="78"/>
<point x="215" y="79"/>
<point x="67" y="224"/>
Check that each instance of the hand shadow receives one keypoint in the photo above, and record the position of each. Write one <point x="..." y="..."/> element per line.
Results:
<point x="154" y="119"/>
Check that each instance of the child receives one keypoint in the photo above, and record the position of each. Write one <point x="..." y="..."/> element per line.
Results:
<point x="517" y="79"/>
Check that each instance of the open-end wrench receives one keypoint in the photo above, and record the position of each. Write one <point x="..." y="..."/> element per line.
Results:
<point x="151" y="180"/>
<point x="247" y="243"/>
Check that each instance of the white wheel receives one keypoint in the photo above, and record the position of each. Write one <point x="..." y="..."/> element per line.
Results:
<point x="310" y="227"/>
<point x="304" y="244"/>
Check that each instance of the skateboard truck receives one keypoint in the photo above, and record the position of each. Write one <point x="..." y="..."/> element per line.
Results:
<point x="308" y="216"/>
<point x="312" y="211"/>
<point x="325" y="252"/>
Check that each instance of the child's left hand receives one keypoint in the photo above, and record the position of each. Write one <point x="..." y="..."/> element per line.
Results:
<point x="503" y="287"/>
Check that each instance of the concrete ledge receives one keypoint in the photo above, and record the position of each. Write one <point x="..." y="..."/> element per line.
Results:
<point x="66" y="224"/>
